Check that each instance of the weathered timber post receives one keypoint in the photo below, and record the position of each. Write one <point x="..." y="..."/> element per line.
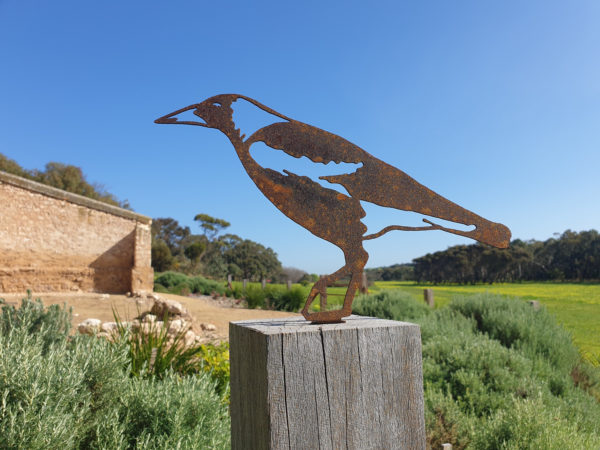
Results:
<point x="535" y="304"/>
<point x="364" y="284"/>
<point x="428" y="295"/>
<point x="289" y="284"/>
<point x="244" y="283"/>
<point x="263" y="283"/>
<point x="446" y="446"/>
<point x="355" y="385"/>
<point x="229" y="279"/>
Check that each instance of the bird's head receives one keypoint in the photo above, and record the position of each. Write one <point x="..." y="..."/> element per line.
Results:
<point x="214" y="112"/>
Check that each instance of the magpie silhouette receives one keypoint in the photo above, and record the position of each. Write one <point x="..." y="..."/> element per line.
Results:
<point x="327" y="213"/>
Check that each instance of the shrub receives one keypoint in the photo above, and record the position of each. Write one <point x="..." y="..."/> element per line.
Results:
<point x="237" y="291"/>
<point x="498" y="374"/>
<point x="177" y="412"/>
<point x="171" y="279"/>
<point x="181" y="284"/>
<point x="75" y="393"/>
<point x="395" y="305"/>
<point x="284" y="299"/>
<point x="153" y="352"/>
<point x="292" y="299"/>
<point x="52" y="323"/>
<point x="516" y="325"/>
<point x="255" y="296"/>
<point x="215" y="361"/>
<point x="200" y="285"/>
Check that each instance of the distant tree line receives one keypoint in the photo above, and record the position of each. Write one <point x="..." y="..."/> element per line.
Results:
<point x="572" y="256"/>
<point x="395" y="272"/>
<point x="215" y="255"/>
<point x="63" y="176"/>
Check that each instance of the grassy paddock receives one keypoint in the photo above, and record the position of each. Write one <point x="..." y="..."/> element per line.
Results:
<point x="575" y="305"/>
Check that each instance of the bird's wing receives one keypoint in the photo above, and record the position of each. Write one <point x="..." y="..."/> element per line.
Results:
<point x="299" y="139"/>
<point x="384" y="185"/>
<point x="376" y="181"/>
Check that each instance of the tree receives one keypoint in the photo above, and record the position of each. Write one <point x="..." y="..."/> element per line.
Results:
<point x="293" y="274"/>
<point x="161" y="256"/>
<point x="194" y="251"/>
<point x="211" y="226"/>
<point x="63" y="176"/>
<point x="11" y="166"/>
<point x="254" y="260"/>
<point x="169" y="231"/>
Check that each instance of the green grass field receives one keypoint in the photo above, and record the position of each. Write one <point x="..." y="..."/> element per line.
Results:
<point x="575" y="305"/>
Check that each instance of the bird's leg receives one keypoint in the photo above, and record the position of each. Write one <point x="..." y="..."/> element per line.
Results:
<point x="320" y="288"/>
<point x="355" y="262"/>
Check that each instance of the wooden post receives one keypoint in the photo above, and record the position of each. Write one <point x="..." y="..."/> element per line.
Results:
<point x="428" y="294"/>
<point x="446" y="446"/>
<point x="289" y="284"/>
<point x="297" y="385"/>
<point x="244" y="283"/>
<point x="364" y="284"/>
<point x="535" y="304"/>
<point x="229" y="279"/>
<point x="263" y="282"/>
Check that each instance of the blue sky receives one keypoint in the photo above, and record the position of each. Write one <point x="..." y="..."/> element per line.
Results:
<point x="496" y="106"/>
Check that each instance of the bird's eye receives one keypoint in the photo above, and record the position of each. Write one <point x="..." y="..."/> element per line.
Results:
<point x="216" y="104"/>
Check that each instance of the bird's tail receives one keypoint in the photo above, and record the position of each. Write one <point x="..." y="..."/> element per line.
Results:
<point x="481" y="233"/>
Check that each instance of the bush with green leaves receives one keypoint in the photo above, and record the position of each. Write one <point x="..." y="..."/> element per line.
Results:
<point x="255" y="296"/>
<point x="77" y="393"/>
<point x="498" y="374"/>
<point x="283" y="299"/>
<point x="181" y="284"/>
<point x="390" y="304"/>
<point x="215" y="361"/>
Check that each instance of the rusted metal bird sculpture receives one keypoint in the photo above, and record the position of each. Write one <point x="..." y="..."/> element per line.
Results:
<point x="327" y="213"/>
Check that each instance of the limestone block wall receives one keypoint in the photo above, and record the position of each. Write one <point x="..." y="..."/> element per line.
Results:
<point x="52" y="240"/>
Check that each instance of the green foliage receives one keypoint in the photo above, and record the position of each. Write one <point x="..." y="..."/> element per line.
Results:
<point x="195" y="250"/>
<point x="162" y="259"/>
<point x="576" y="306"/>
<point x="153" y="352"/>
<point x="309" y="279"/>
<point x="63" y="176"/>
<point x="236" y="290"/>
<point x="498" y="374"/>
<point x="175" y="412"/>
<point x="390" y="305"/>
<point x="210" y="254"/>
<point x="211" y="226"/>
<point x="52" y="324"/>
<point x="572" y="256"/>
<point x="171" y="279"/>
<point x="254" y="261"/>
<point x="75" y="393"/>
<point x="171" y="233"/>
<point x="284" y="299"/>
<point x="397" y="272"/>
<point x="215" y="361"/>
<point x="11" y="166"/>
<point x="255" y="296"/>
<point x="515" y="324"/>
<point x="181" y="284"/>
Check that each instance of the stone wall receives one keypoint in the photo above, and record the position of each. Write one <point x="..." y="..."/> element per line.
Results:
<point x="52" y="240"/>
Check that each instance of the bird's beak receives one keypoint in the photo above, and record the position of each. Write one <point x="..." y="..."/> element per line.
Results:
<point x="172" y="117"/>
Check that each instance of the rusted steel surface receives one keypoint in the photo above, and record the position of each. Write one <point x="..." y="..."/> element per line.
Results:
<point x="327" y="213"/>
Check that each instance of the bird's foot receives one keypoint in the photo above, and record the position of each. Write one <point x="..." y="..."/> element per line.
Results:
<point x="333" y="316"/>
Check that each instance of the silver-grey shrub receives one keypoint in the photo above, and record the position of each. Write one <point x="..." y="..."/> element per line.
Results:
<point x="76" y="392"/>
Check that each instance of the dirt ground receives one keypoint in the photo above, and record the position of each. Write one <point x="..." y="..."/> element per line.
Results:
<point x="100" y="306"/>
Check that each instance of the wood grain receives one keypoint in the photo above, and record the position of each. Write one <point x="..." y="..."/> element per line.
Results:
<point x="354" y="385"/>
